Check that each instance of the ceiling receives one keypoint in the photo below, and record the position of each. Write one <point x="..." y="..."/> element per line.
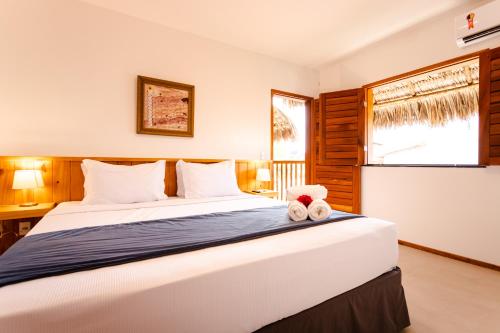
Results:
<point x="305" y="32"/>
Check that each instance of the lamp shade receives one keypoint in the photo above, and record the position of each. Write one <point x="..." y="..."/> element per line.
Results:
<point x="27" y="179"/>
<point x="263" y="175"/>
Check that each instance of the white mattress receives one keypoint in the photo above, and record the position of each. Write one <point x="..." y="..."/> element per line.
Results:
<point x="239" y="287"/>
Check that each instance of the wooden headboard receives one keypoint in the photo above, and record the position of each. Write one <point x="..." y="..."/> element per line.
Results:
<point x="63" y="177"/>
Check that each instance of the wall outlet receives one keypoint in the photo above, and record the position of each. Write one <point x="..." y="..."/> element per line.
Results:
<point x="24" y="228"/>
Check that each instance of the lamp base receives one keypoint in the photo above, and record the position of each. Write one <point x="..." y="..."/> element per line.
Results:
<point x="28" y="204"/>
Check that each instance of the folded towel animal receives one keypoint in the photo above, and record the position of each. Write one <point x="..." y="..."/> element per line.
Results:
<point x="314" y="191"/>
<point x="297" y="211"/>
<point x="318" y="210"/>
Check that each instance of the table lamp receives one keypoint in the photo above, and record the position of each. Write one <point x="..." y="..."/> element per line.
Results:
<point x="263" y="175"/>
<point x="27" y="180"/>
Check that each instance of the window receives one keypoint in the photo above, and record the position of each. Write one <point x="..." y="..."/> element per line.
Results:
<point x="429" y="118"/>
<point x="289" y="126"/>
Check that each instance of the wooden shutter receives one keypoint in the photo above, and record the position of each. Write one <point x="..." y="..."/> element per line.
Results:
<point x="489" y="107"/>
<point x="341" y="147"/>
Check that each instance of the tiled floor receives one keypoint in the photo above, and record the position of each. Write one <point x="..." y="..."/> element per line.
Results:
<point x="446" y="295"/>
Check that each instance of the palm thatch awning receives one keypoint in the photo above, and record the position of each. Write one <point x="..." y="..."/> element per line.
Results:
<point x="283" y="127"/>
<point x="432" y="100"/>
<point x="291" y="102"/>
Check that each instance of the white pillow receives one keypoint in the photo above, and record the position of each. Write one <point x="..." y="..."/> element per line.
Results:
<point x="209" y="180"/>
<point x="108" y="183"/>
<point x="180" y="181"/>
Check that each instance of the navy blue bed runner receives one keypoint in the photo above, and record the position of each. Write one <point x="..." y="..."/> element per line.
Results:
<point x="74" y="250"/>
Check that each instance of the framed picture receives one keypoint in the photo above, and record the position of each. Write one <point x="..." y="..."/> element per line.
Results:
<point x="164" y="107"/>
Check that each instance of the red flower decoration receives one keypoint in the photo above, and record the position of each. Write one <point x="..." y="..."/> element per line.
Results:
<point x="305" y="199"/>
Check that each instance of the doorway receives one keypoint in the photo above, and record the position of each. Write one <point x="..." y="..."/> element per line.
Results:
<point x="290" y="140"/>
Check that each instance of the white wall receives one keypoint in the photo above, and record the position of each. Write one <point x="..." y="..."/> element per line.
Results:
<point x="450" y="209"/>
<point x="424" y="44"/>
<point x="68" y="85"/>
<point x="455" y="210"/>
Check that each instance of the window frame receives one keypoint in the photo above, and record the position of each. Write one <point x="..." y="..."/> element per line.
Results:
<point x="309" y="122"/>
<point x="483" y="159"/>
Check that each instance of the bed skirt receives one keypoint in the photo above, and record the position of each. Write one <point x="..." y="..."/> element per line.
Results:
<point x="377" y="306"/>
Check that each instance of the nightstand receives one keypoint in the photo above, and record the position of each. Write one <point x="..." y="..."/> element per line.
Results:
<point x="267" y="193"/>
<point x="12" y="217"/>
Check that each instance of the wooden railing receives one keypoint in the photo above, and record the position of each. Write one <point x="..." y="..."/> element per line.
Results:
<point x="287" y="174"/>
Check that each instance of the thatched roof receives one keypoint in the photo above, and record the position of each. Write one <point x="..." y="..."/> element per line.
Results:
<point x="433" y="100"/>
<point x="433" y="110"/>
<point x="283" y="127"/>
<point x="291" y="102"/>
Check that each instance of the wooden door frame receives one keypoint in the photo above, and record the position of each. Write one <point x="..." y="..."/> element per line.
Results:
<point x="309" y="123"/>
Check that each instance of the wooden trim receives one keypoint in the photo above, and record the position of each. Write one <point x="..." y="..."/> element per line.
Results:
<point x="484" y="108"/>
<point x="368" y="125"/>
<point x="361" y="126"/>
<point x="289" y="94"/>
<point x="309" y="139"/>
<point x="322" y="134"/>
<point x="356" y="189"/>
<point x="271" y="125"/>
<point x="494" y="107"/>
<point x="288" y="161"/>
<point x="495" y="160"/>
<point x="341" y="93"/>
<point x="309" y="123"/>
<point x="313" y="140"/>
<point x="425" y="69"/>
<point x="450" y="255"/>
<point x="120" y="159"/>
<point x="64" y="179"/>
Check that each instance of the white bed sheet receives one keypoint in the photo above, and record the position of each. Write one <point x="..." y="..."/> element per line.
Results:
<point x="239" y="287"/>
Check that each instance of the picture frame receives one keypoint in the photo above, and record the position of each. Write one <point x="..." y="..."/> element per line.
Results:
<point x="164" y="107"/>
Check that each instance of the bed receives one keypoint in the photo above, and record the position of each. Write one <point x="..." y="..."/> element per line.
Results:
<point x="280" y="283"/>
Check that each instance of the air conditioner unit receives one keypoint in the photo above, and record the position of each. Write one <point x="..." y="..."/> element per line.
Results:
<point x="478" y="24"/>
